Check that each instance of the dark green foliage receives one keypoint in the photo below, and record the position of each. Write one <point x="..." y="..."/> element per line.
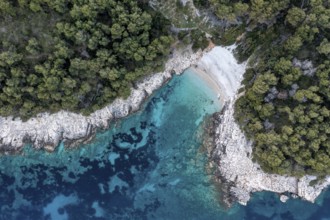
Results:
<point x="230" y="36"/>
<point x="201" y="3"/>
<point x="285" y="109"/>
<point x="199" y="39"/>
<point x="75" y="55"/>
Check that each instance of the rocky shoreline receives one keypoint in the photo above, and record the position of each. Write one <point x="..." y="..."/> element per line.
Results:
<point x="232" y="155"/>
<point x="46" y="130"/>
<point x="229" y="149"/>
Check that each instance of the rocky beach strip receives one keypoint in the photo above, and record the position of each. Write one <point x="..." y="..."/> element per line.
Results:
<point x="47" y="130"/>
<point x="232" y="152"/>
<point x="233" y="156"/>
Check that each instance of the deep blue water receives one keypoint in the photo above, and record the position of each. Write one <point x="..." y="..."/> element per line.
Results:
<point x="147" y="166"/>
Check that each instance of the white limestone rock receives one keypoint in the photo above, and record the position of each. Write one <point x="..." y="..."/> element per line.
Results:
<point x="236" y="166"/>
<point x="47" y="130"/>
<point x="233" y="151"/>
<point x="306" y="66"/>
<point x="284" y="198"/>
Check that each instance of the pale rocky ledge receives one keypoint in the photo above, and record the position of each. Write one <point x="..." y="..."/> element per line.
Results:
<point x="48" y="130"/>
<point x="233" y="152"/>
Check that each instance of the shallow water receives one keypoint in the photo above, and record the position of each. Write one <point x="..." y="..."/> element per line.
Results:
<point x="147" y="166"/>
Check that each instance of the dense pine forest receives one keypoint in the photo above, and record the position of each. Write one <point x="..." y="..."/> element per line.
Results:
<point x="286" y="101"/>
<point x="75" y="55"/>
<point x="79" y="55"/>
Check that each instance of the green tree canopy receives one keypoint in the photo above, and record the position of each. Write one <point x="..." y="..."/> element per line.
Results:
<point x="285" y="107"/>
<point x="68" y="54"/>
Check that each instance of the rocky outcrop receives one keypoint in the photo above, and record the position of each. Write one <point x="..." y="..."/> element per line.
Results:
<point x="305" y="66"/>
<point x="238" y="174"/>
<point x="46" y="130"/>
<point x="284" y="198"/>
<point x="233" y="156"/>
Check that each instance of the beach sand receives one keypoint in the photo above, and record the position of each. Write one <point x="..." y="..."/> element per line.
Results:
<point x="212" y="82"/>
<point x="221" y="71"/>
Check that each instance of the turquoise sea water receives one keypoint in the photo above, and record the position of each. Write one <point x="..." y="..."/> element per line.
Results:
<point x="147" y="166"/>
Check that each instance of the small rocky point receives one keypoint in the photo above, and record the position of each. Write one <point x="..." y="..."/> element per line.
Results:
<point x="233" y="156"/>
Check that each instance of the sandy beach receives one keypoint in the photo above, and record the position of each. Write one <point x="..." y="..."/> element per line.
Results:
<point x="220" y="70"/>
<point x="212" y="82"/>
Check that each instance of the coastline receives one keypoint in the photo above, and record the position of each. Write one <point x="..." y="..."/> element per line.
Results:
<point x="222" y="72"/>
<point x="232" y="154"/>
<point x="211" y="81"/>
<point x="46" y="131"/>
<point x="231" y="151"/>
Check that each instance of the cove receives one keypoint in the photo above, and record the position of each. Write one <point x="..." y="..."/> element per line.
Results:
<point x="150" y="165"/>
